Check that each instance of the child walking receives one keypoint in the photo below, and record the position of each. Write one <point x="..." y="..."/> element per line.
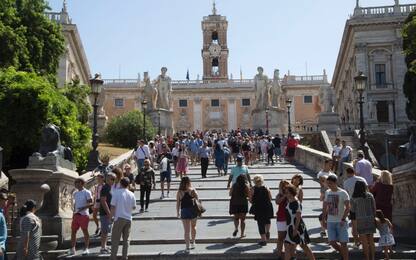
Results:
<point x="385" y="228"/>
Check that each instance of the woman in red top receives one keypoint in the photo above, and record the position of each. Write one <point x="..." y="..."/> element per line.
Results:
<point x="383" y="191"/>
<point x="281" y="202"/>
<point x="292" y="143"/>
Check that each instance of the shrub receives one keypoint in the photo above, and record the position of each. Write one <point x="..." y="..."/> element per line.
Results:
<point x="126" y="129"/>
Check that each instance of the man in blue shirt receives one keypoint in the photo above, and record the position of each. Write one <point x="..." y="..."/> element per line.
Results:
<point x="238" y="170"/>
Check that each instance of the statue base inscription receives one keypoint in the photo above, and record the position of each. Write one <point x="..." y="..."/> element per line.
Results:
<point x="329" y="122"/>
<point x="276" y="120"/>
<point x="166" y="123"/>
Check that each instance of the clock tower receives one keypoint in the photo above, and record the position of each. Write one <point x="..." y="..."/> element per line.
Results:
<point x="214" y="49"/>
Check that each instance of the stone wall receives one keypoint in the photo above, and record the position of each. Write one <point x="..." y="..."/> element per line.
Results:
<point x="404" y="201"/>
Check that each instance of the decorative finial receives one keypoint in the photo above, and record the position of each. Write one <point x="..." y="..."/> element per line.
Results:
<point x="214" y="9"/>
<point x="396" y="2"/>
<point x="357" y="4"/>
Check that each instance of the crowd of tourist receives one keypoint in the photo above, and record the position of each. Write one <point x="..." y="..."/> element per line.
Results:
<point x="359" y="199"/>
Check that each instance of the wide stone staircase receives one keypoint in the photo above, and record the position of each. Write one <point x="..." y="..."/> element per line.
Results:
<point x="158" y="234"/>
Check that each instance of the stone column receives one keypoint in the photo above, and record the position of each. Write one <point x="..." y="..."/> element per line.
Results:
<point x="232" y="114"/>
<point x="197" y="114"/>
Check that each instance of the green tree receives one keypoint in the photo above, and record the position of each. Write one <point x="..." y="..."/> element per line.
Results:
<point x="409" y="48"/>
<point x="29" y="41"/>
<point x="78" y="94"/>
<point x="126" y="129"/>
<point x="27" y="103"/>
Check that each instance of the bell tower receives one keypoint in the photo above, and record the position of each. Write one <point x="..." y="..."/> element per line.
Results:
<point x="214" y="49"/>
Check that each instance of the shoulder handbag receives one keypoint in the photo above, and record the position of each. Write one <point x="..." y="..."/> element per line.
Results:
<point x="199" y="209"/>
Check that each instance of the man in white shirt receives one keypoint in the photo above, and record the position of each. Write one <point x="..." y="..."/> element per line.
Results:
<point x="364" y="168"/>
<point x="123" y="203"/>
<point x="141" y="153"/>
<point x="335" y="212"/>
<point x="80" y="218"/>
<point x="322" y="176"/>
<point x="345" y="156"/>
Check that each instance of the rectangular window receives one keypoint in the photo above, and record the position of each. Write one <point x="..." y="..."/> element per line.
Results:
<point x="245" y="102"/>
<point x="119" y="102"/>
<point x="215" y="102"/>
<point x="382" y="111"/>
<point x="380" y="70"/>
<point x="307" y="99"/>
<point x="183" y="103"/>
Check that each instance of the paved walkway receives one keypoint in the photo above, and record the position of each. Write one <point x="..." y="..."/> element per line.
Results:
<point x="158" y="234"/>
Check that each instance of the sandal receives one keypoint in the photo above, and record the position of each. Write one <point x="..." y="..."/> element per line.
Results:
<point x="235" y="233"/>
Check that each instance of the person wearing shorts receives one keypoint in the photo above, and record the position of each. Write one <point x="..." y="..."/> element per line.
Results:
<point x="335" y="211"/>
<point x="165" y="174"/>
<point x="105" y="213"/>
<point x="80" y="219"/>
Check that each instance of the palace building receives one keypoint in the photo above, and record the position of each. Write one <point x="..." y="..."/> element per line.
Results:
<point x="217" y="101"/>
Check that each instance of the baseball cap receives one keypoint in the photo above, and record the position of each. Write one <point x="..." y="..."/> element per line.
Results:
<point x="240" y="157"/>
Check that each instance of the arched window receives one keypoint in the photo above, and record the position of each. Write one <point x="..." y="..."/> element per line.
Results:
<point x="214" y="37"/>
<point x="215" y="69"/>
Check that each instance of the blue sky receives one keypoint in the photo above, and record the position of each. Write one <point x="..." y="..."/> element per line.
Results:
<point x="122" y="38"/>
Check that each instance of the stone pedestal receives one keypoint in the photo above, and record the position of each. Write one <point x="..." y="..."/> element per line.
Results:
<point x="166" y="121"/>
<point x="404" y="202"/>
<point x="329" y="122"/>
<point x="54" y="206"/>
<point x="277" y="118"/>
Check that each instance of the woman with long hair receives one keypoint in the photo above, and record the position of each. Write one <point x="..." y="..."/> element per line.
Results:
<point x="186" y="212"/>
<point x="261" y="208"/>
<point x="146" y="179"/>
<point x="30" y="232"/>
<point x="239" y="193"/>
<point x="297" y="181"/>
<point x="281" y="202"/>
<point x="363" y="207"/>
<point x="182" y="165"/>
<point x="296" y="234"/>
<point x="383" y="192"/>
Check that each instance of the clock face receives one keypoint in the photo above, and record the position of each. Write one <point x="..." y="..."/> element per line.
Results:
<point x="215" y="50"/>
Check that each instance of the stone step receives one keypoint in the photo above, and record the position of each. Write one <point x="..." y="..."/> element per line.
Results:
<point x="234" y="250"/>
<point x="271" y="182"/>
<point x="167" y="207"/>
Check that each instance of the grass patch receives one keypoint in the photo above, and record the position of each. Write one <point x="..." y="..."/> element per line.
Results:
<point x="111" y="150"/>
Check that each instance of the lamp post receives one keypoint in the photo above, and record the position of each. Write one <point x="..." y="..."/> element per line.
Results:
<point x="158" y="122"/>
<point x="360" y="86"/>
<point x="267" y="120"/>
<point x="144" y="106"/>
<point x="93" y="157"/>
<point x="288" y="105"/>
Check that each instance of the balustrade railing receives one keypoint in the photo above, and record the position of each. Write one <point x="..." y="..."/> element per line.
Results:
<point x="379" y="11"/>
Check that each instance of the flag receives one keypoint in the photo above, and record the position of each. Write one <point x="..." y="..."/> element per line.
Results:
<point x="187" y="74"/>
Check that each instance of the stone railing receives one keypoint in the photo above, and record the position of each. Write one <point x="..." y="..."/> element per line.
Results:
<point x="117" y="162"/>
<point x="313" y="79"/>
<point x="314" y="160"/>
<point x="59" y="17"/>
<point x="384" y="11"/>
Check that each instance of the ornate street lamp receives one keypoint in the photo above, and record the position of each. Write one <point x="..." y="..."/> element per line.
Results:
<point x="158" y="122"/>
<point x="144" y="106"/>
<point x="267" y="120"/>
<point x="360" y="86"/>
<point x="288" y="105"/>
<point x="93" y="157"/>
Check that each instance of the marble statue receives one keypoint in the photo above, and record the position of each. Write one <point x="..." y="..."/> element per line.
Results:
<point x="261" y="89"/>
<point x="164" y="88"/>
<point x="150" y="92"/>
<point x="326" y="97"/>
<point x="275" y="90"/>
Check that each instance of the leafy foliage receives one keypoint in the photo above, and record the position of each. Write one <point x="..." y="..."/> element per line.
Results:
<point x="27" y="103"/>
<point x="78" y="94"/>
<point x="126" y="129"/>
<point x="29" y="41"/>
<point x="409" y="47"/>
